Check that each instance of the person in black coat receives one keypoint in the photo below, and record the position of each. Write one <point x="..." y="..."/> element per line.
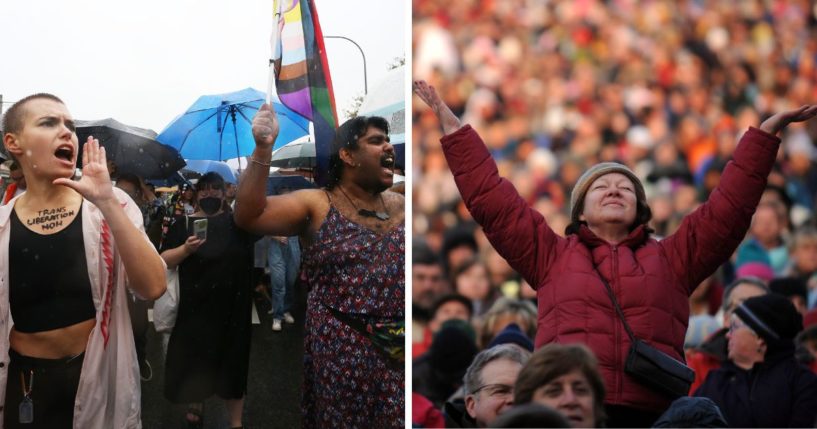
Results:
<point x="762" y="385"/>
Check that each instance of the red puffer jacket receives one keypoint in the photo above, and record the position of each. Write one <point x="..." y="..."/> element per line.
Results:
<point x="651" y="279"/>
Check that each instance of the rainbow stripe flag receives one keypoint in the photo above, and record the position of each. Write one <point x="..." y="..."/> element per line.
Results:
<point x="302" y="78"/>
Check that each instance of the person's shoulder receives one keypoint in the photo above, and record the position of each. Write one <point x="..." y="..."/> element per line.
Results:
<point x="313" y="198"/>
<point x="310" y="193"/>
<point x="392" y="197"/>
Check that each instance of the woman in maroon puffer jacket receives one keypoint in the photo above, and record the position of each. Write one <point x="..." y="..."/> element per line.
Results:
<point x="608" y="235"/>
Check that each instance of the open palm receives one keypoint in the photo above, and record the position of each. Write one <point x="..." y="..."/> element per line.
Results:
<point x="777" y="122"/>
<point x="429" y="95"/>
<point x="95" y="184"/>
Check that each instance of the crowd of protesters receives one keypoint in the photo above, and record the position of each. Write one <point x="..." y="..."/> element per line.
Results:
<point x="83" y="265"/>
<point x="667" y="89"/>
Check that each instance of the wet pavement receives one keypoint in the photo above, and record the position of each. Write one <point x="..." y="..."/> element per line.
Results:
<point x="274" y="382"/>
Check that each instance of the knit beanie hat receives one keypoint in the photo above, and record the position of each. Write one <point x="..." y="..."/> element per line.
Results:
<point x="452" y="349"/>
<point x="590" y="176"/>
<point x="512" y="334"/>
<point x="753" y="260"/>
<point x="789" y="287"/>
<point x="771" y="316"/>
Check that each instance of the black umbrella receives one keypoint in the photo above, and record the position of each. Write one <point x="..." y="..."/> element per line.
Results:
<point x="134" y="150"/>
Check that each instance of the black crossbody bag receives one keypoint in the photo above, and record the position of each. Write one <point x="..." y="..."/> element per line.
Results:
<point x="650" y="366"/>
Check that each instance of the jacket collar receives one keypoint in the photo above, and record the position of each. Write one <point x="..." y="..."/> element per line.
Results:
<point x="636" y="238"/>
<point x="5" y="211"/>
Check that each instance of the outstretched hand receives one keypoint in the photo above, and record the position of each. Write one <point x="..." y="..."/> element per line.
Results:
<point x="779" y="121"/>
<point x="95" y="184"/>
<point x="265" y="127"/>
<point x="428" y="94"/>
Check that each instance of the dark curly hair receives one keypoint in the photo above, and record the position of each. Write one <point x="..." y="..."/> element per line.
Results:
<point x="347" y="136"/>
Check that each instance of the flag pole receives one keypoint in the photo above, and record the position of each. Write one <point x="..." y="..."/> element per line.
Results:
<point x="275" y="43"/>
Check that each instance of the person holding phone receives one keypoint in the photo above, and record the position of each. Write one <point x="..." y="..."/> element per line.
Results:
<point x="209" y="348"/>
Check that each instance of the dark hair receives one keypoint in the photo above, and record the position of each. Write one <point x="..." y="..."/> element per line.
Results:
<point x="421" y="254"/>
<point x="465" y="266"/>
<point x="210" y="180"/>
<point x="553" y="361"/>
<point x="457" y="237"/>
<point x="347" y="136"/>
<point x="531" y="416"/>
<point x="453" y="297"/>
<point x="643" y="216"/>
<point x="130" y="178"/>
<point x="133" y="180"/>
<point x="13" y="118"/>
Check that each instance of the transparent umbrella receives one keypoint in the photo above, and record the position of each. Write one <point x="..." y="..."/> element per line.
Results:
<point x="297" y="154"/>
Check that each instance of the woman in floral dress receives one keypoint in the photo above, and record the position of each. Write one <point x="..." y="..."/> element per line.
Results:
<point x="353" y="240"/>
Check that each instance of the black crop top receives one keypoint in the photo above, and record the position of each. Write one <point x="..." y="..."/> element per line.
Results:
<point x="49" y="286"/>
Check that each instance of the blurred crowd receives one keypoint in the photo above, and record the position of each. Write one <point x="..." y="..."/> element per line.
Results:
<point x="554" y="87"/>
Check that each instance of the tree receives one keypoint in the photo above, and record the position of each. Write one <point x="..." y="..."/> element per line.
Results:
<point x="354" y="107"/>
<point x="397" y="62"/>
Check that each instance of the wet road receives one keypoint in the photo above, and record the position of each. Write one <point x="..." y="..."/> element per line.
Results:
<point x="274" y="382"/>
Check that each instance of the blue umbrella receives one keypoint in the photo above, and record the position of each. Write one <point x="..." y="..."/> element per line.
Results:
<point x="203" y="166"/>
<point x="219" y="127"/>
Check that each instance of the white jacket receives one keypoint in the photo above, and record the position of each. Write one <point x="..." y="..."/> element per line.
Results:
<point x="109" y="391"/>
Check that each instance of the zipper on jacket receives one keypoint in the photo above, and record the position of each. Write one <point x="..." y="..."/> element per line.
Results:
<point x="613" y="281"/>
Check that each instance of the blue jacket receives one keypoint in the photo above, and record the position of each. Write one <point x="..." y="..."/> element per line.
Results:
<point x="777" y="392"/>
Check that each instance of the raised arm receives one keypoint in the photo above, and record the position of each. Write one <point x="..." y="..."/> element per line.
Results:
<point x="427" y="93"/>
<point x="519" y="233"/>
<point x="708" y="236"/>
<point x="144" y="267"/>
<point x="286" y="215"/>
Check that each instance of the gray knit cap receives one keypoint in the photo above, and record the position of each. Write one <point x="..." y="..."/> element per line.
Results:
<point x="590" y="176"/>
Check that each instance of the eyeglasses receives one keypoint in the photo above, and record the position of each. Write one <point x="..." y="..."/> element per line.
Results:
<point x="495" y="390"/>
<point x="735" y="323"/>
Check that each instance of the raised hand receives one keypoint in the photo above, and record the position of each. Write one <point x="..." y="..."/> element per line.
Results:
<point x="428" y="94"/>
<point x="265" y="127"/>
<point x="779" y="121"/>
<point x="95" y="184"/>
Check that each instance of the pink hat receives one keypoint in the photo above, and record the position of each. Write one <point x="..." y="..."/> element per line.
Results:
<point x="755" y="269"/>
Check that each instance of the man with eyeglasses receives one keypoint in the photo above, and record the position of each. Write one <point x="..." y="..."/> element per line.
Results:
<point x="488" y="384"/>
<point x="762" y="384"/>
<point x="712" y="353"/>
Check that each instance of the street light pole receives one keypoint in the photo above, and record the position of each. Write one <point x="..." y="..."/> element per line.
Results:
<point x="365" y="82"/>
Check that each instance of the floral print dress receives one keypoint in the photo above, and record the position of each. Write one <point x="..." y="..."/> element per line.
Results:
<point x="353" y="270"/>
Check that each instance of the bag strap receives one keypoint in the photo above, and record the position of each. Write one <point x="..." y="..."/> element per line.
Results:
<point x="615" y="304"/>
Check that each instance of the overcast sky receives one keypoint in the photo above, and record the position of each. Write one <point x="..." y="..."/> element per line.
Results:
<point x="145" y="62"/>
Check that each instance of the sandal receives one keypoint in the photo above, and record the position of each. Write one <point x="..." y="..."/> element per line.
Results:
<point x="195" y="415"/>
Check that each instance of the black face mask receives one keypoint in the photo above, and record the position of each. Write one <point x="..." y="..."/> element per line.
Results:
<point x="210" y="205"/>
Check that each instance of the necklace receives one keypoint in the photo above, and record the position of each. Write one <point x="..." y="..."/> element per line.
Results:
<point x="384" y="215"/>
